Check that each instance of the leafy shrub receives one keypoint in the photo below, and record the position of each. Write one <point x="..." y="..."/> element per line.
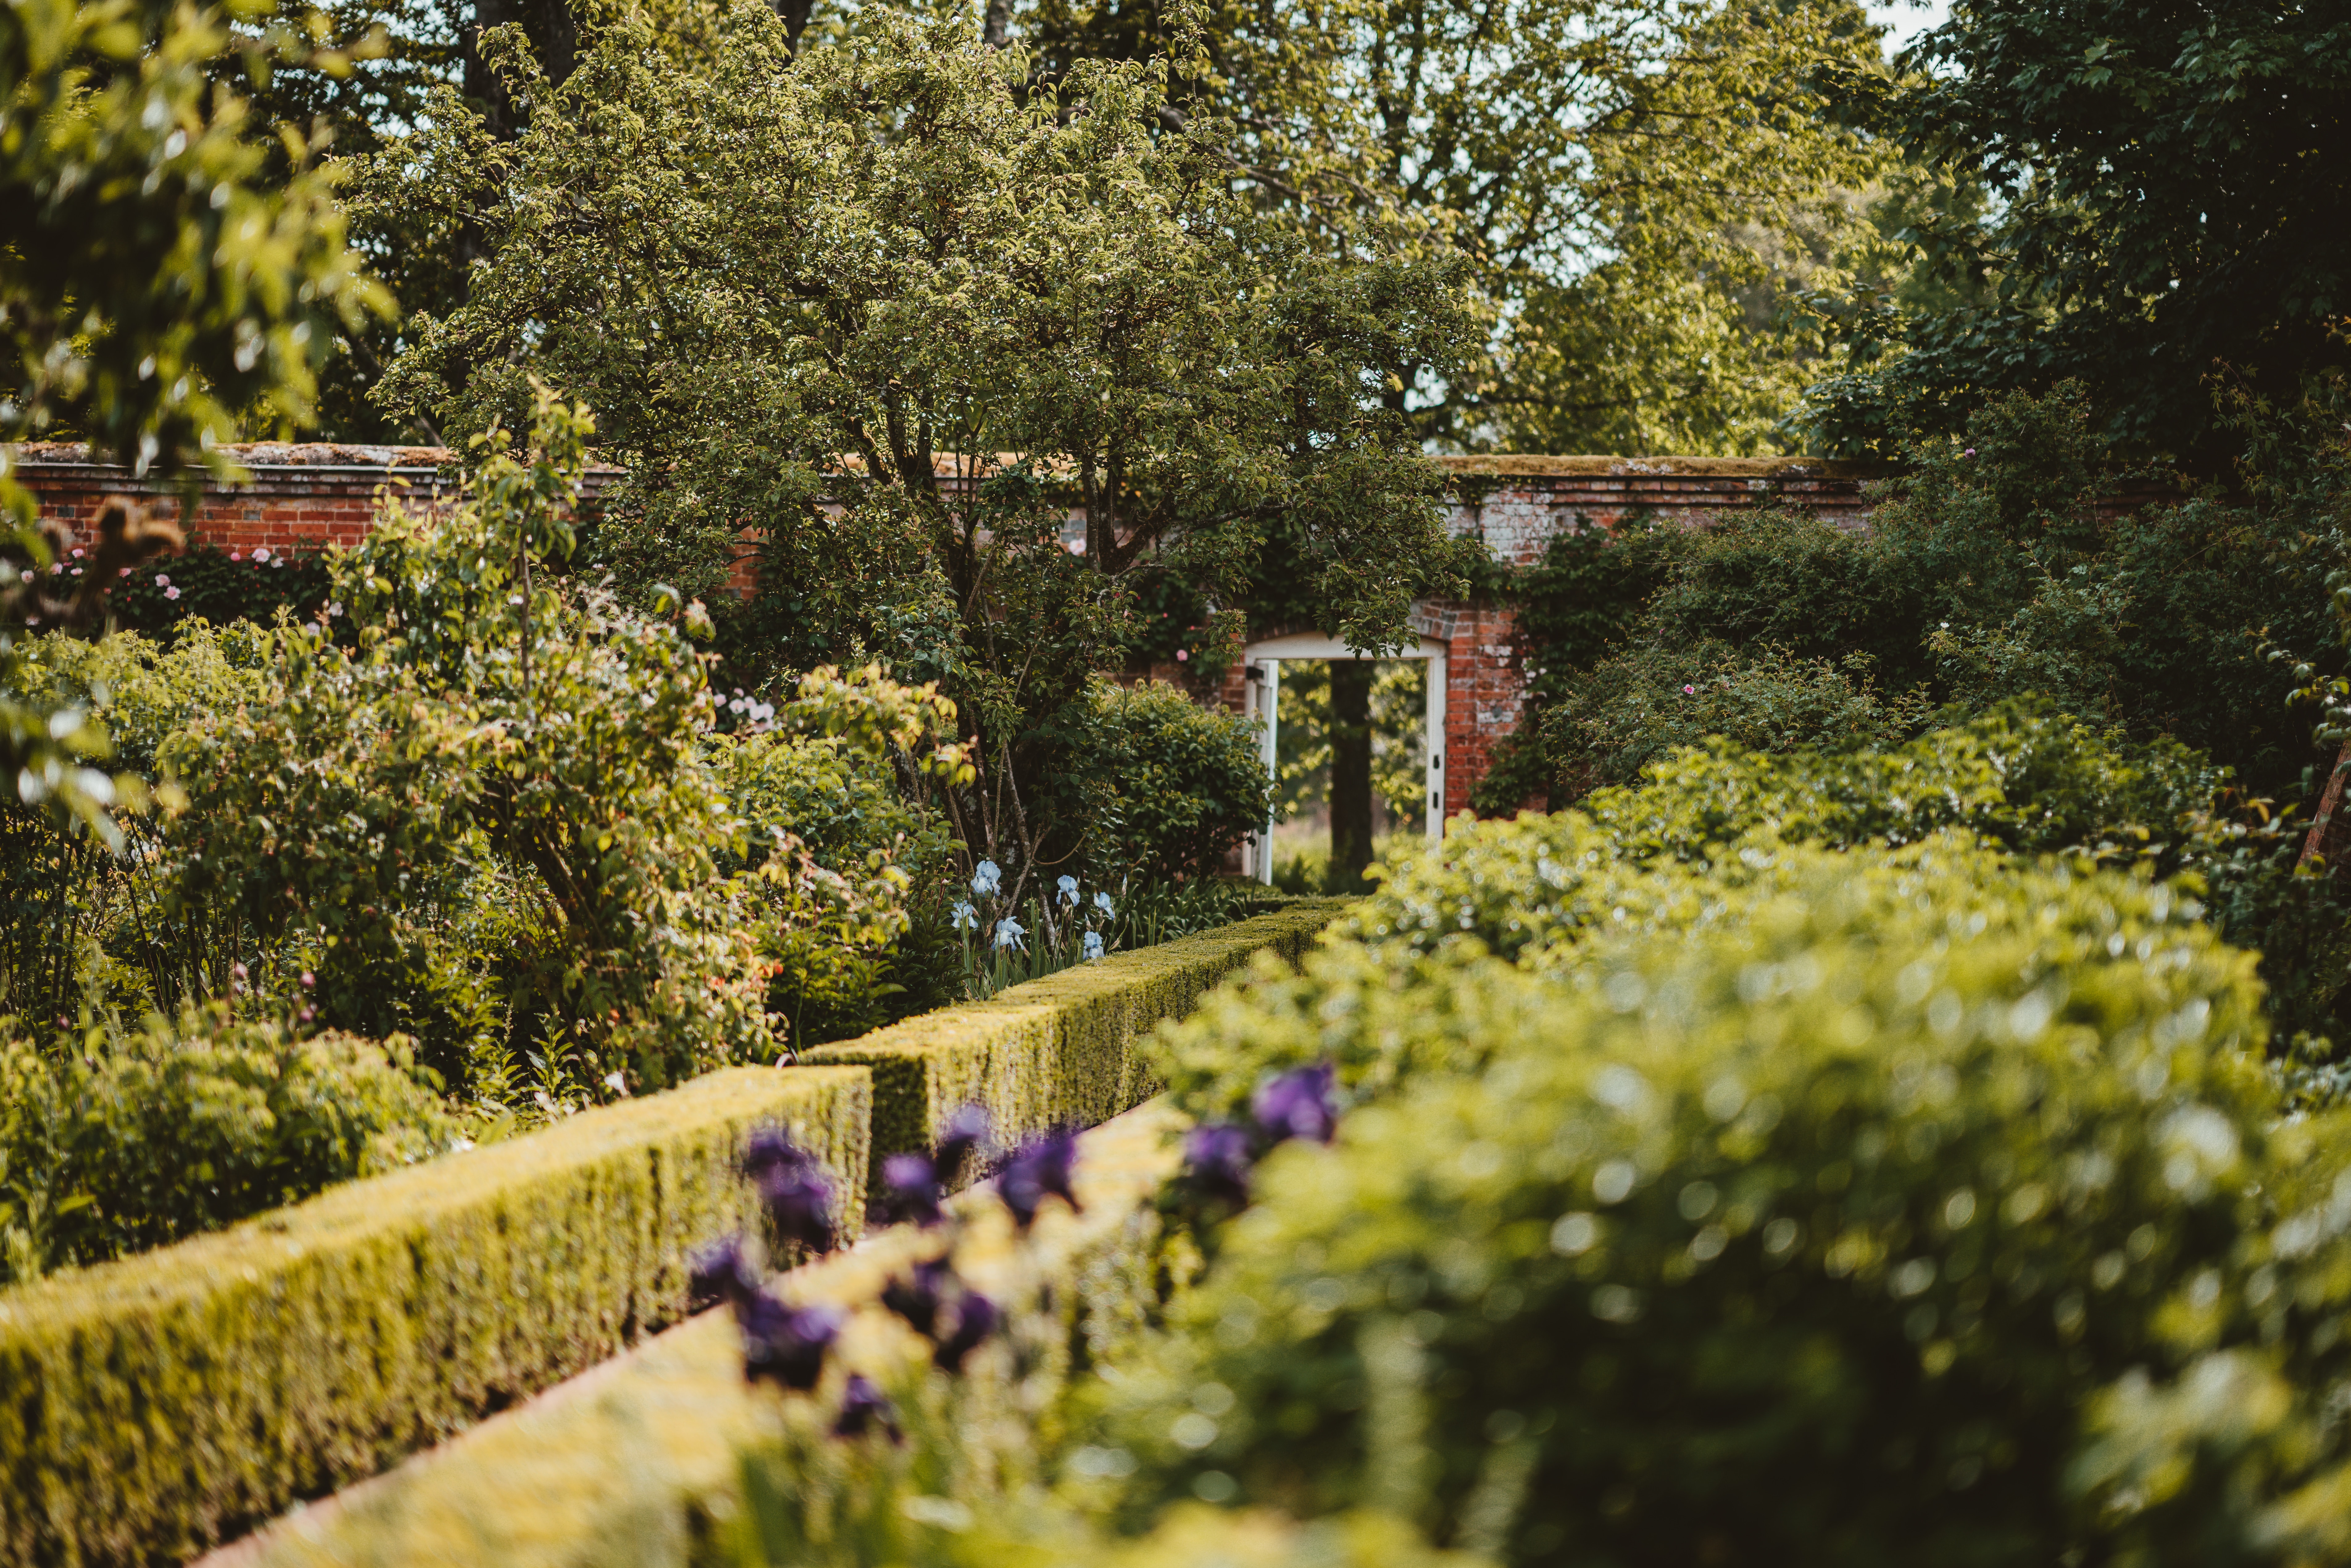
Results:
<point x="1632" y="709"/>
<point x="117" y="1140"/>
<point x="1804" y="1230"/>
<point x="489" y="808"/>
<point x="2003" y="563"/>
<point x="1175" y="785"/>
<point x="2020" y="776"/>
<point x="869" y="863"/>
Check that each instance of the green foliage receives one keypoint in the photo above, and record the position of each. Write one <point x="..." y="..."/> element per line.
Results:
<point x="1998" y="566"/>
<point x="1173" y="785"/>
<point x="1639" y="189"/>
<point x="2021" y="777"/>
<point x="113" y="1141"/>
<point x="154" y="285"/>
<point x="168" y="1402"/>
<point x="82" y="917"/>
<point x="482" y="713"/>
<point x="1568" y="609"/>
<point x="1632" y="710"/>
<point x="489" y="808"/>
<point x="1806" y="1228"/>
<point x="997" y="306"/>
<point x="218" y="586"/>
<point x="857" y="844"/>
<point x="2166" y="199"/>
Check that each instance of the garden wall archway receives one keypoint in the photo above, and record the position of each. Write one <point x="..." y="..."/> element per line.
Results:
<point x="1261" y="669"/>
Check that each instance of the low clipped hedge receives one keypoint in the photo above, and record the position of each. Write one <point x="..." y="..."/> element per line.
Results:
<point x="157" y="1405"/>
<point x="1059" y="1051"/>
<point x="644" y="1466"/>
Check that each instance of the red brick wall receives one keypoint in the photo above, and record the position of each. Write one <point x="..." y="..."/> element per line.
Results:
<point x="304" y="496"/>
<point x="300" y="497"/>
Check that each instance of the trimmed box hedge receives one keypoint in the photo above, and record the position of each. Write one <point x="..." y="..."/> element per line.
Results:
<point x="1057" y="1051"/>
<point x="152" y="1406"/>
<point x="624" y="1468"/>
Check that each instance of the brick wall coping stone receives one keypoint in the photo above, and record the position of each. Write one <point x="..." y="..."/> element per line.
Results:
<point x="1601" y="466"/>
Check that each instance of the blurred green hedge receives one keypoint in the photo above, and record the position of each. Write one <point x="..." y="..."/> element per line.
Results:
<point x="2021" y="777"/>
<point x="159" y="1404"/>
<point x="1708" y="1196"/>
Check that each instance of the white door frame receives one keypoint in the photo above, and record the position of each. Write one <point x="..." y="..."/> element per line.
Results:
<point x="1262" y="662"/>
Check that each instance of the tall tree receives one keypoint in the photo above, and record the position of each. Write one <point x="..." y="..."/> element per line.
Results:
<point x="1640" y="186"/>
<point x="905" y="322"/>
<point x="2171" y="197"/>
<point x="154" y="284"/>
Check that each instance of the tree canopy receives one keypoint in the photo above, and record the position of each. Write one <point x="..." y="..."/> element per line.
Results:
<point x="1639" y="187"/>
<point x="2169" y="198"/>
<point x="897" y="315"/>
<point x="161" y="286"/>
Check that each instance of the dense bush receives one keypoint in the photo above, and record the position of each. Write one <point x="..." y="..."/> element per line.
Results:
<point x="1804" y="1230"/>
<point x="1891" y="1202"/>
<point x="115" y="1140"/>
<point x="869" y="873"/>
<point x="206" y="583"/>
<point x="487" y="808"/>
<point x="1630" y="710"/>
<point x="1175" y="785"/>
<point x="1995" y="565"/>
<point x="2021" y="777"/>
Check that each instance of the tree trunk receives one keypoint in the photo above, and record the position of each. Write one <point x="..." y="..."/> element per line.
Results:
<point x="1350" y="773"/>
<point x="2330" y="830"/>
<point x="795" y="14"/>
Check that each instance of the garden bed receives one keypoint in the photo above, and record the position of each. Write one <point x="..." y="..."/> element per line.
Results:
<point x="162" y="1403"/>
<point x="621" y="1466"/>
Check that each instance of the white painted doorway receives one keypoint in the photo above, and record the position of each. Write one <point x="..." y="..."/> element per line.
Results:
<point x="1262" y="662"/>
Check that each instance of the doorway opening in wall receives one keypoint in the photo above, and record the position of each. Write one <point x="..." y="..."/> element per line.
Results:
<point x="1352" y="760"/>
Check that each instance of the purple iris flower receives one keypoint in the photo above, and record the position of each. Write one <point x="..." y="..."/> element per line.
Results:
<point x="771" y="1148"/>
<point x="1219" y="1159"/>
<point x="917" y="1300"/>
<point x="1039" y="1169"/>
<point x="965" y="1131"/>
<point x="1297" y="1105"/>
<point x="720" y="1273"/>
<point x="911" y="1183"/>
<point x="797" y="1192"/>
<point x="862" y="1407"/>
<point x="976" y="1318"/>
<point x="786" y="1343"/>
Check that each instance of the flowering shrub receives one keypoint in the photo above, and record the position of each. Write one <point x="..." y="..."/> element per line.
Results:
<point x="125" y="1139"/>
<point x="215" y="586"/>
